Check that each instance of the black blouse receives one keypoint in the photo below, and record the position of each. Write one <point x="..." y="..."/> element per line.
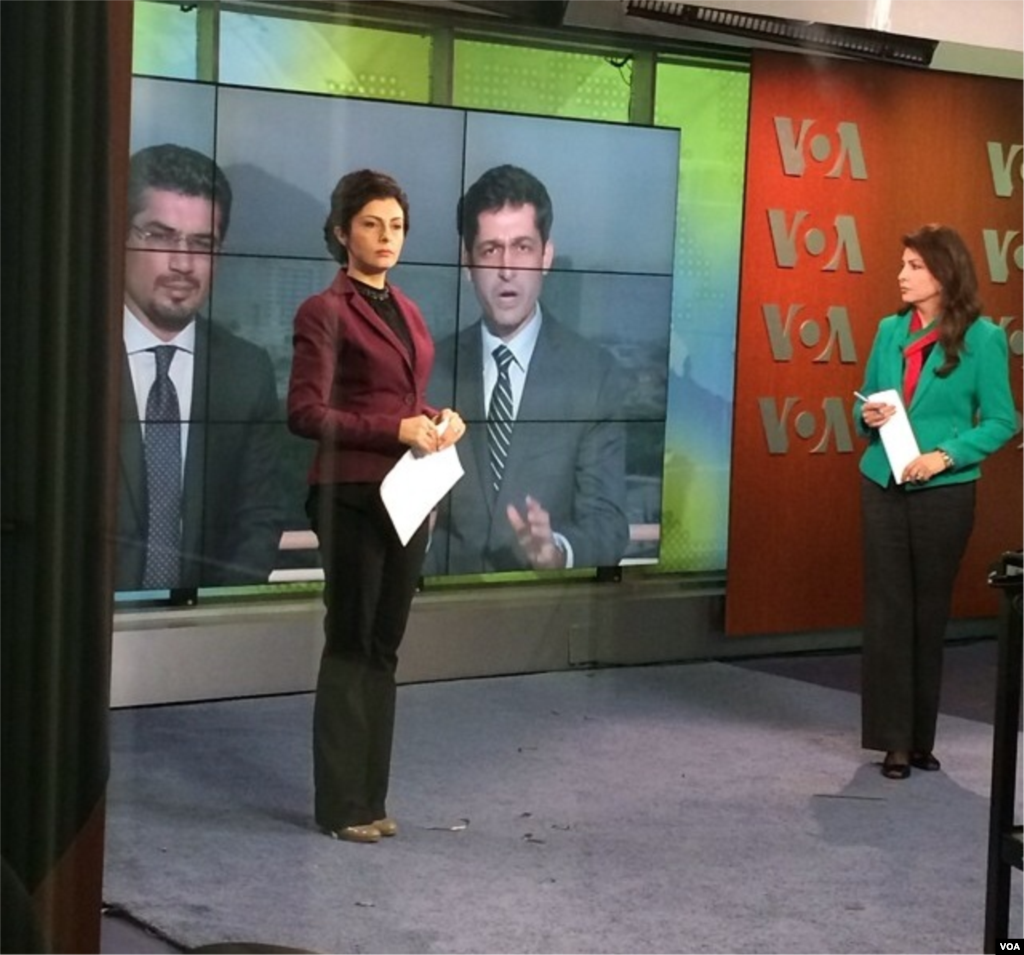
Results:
<point x="380" y="300"/>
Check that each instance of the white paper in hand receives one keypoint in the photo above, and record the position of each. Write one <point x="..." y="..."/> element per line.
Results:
<point x="896" y="434"/>
<point x="415" y="485"/>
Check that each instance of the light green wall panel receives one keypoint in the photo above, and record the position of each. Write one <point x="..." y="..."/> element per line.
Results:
<point x="709" y="105"/>
<point x="517" y="79"/>
<point x="315" y="57"/>
<point x="164" y="40"/>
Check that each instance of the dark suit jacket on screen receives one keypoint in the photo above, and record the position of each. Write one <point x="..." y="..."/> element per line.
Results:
<point x="567" y="452"/>
<point x="232" y="514"/>
<point x="353" y="381"/>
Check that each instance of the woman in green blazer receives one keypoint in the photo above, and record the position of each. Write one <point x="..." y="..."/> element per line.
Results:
<point x="951" y="369"/>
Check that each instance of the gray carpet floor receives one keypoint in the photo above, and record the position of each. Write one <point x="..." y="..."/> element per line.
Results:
<point x="680" y="809"/>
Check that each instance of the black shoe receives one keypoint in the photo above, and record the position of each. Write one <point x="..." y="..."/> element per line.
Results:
<point x="925" y="761"/>
<point x="892" y="768"/>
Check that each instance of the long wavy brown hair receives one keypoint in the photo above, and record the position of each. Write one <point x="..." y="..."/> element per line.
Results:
<point x="948" y="259"/>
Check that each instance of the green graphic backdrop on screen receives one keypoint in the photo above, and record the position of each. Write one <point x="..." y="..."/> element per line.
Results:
<point x="517" y="79"/>
<point x="164" y="41"/>
<point x="312" y="57"/>
<point x="709" y="105"/>
<point x="284" y="53"/>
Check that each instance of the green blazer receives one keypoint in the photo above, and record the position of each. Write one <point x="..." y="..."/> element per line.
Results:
<point x="969" y="414"/>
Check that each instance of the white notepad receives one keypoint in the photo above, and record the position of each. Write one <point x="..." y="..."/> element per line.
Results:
<point x="897" y="435"/>
<point x="415" y="485"/>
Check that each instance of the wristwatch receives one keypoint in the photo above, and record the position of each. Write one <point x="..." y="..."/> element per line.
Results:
<point x="946" y="459"/>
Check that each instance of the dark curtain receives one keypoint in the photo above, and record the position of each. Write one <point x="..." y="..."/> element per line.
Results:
<point x="66" y="93"/>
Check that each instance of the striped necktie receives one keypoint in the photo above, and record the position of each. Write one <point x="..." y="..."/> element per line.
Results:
<point x="499" y="417"/>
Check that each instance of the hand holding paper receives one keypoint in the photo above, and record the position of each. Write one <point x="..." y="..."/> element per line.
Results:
<point x="413" y="487"/>
<point x="896" y="433"/>
<point x="874" y="413"/>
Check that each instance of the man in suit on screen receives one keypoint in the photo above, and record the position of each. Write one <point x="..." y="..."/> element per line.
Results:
<point x="199" y="499"/>
<point x="544" y="487"/>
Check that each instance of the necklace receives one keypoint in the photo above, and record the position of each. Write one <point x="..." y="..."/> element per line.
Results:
<point x="373" y="294"/>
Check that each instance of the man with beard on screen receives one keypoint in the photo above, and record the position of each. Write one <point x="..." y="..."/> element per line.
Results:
<point x="545" y="485"/>
<point x="198" y="498"/>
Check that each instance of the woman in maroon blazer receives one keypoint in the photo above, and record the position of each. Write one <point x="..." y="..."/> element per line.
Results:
<point x="362" y="359"/>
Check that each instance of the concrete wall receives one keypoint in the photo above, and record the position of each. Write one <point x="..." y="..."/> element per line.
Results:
<point x="178" y="655"/>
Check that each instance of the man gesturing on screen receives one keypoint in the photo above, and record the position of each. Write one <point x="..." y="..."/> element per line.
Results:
<point x="198" y="500"/>
<point x="545" y="468"/>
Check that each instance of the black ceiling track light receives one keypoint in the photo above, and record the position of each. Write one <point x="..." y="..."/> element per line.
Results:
<point x="824" y="37"/>
<point x="545" y="13"/>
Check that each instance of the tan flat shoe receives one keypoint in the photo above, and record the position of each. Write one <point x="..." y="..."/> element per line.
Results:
<point x="387" y="827"/>
<point x="368" y="833"/>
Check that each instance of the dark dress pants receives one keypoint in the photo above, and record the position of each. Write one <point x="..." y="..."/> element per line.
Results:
<point x="370" y="580"/>
<point x="913" y="544"/>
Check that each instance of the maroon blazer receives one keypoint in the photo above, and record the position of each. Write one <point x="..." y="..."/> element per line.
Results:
<point x="353" y="381"/>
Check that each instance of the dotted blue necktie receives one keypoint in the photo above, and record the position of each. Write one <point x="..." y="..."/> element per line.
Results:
<point x="499" y="416"/>
<point x="163" y="476"/>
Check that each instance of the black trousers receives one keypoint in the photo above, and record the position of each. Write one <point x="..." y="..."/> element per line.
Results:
<point x="370" y="580"/>
<point x="913" y="544"/>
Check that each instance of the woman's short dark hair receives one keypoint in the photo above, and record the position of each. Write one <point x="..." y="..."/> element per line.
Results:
<point x="353" y="191"/>
<point x="949" y="260"/>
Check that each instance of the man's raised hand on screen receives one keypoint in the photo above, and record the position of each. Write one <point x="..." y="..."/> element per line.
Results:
<point x="535" y="537"/>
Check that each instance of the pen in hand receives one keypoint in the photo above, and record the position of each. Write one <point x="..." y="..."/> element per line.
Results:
<point x="879" y="411"/>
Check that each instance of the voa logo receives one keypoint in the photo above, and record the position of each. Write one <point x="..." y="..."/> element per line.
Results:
<point x="838" y="240"/>
<point x="839" y="145"/>
<point x="834" y="327"/>
<point x="1015" y="340"/>
<point x="1002" y="248"/>
<point x="1014" y="336"/>
<point x="1001" y="160"/>
<point x="826" y="426"/>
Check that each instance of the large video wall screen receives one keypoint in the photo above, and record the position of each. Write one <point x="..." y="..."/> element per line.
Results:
<point x="613" y="194"/>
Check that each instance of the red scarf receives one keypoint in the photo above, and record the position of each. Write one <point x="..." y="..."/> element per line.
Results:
<point x="913" y="355"/>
